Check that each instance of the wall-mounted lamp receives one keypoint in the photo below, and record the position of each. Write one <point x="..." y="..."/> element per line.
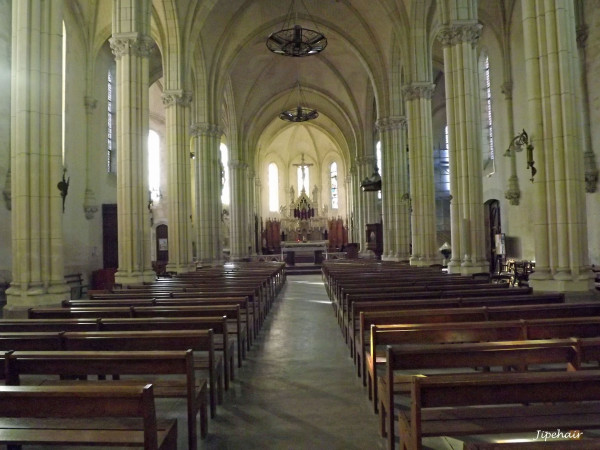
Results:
<point x="63" y="187"/>
<point x="372" y="183"/>
<point x="516" y="145"/>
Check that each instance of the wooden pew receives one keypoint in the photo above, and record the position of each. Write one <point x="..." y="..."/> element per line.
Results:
<point x="430" y="294"/>
<point x="469" y="314"/>
<point x="144" y="365"/>
<point x="401" y="305"/>
<point x="496" y="403"/>
<point x="431" y="358"/>
<point x="507" y="330"/>
<point x="246" y="309"/>
<point x="48" y="325"/>
<point x="232" y="312"/>
<point x="77" y="416"/>
<point x="200" y="341"/>
<point x="217" y="324"/>
<point x="173" y="323"/>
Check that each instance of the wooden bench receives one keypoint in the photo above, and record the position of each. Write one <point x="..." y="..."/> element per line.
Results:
<point x="247" y="309"/>
<point x="45" y="325"/>
<point x="145" y="365"/>
<point x="497" y="403"/>
<point x="432" y="358"/>
<point x="200" y="341"/>
<point x="507" y="330"/>
<point x="458" y="302"/>
<point x="217" y="324"/>
<point x="234" y="315"/>
<point x="469" y="314"/>
<point x="433" y="294"/>
<point x="80" y="415"/>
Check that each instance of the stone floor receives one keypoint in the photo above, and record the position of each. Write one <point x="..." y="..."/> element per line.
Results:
<point x="297" y="389"/>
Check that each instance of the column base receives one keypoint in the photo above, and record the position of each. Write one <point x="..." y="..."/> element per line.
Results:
<point x="585" y="285"/>
<point x="19" y="300"/>
<point x="124" y="278"/>
<point x="424" y="261"/>
<point x="181" y="268"/>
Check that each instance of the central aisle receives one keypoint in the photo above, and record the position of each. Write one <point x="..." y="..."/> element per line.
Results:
<point x="297" y="388"/>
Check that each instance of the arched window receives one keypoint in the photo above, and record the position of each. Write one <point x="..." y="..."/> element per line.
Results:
<point x="225" y="195"/>
<point x="154" y="165"/>
<point x="333" y="175"/>
<point x="486" y="111"/>
<point x="111" y="132"/>
<point x="273" y="188"/>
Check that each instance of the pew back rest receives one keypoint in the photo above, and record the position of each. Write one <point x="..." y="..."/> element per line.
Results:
<point x="82" y="402"/>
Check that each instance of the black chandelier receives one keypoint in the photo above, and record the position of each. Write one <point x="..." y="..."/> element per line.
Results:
<point x="299" y="113"/>
<point x="295" y="40"/>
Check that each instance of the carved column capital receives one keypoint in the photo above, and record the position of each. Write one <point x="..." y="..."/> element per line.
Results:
<point x="459" y="32"/>
<point x="591" y="171"/>
<point x="90" y="205"/>
<point x="507" y="89"/>
<point x="90" y="104"/>
<point x="206" y="129"/>
<point x="237" y="164"/>
<point x="416" y="91"/>
<point x="176" y="97"/>
<point x="513" y="193"/>
<point x="582" y="36"/>
<point x="391" y="123"/>
<point x="131" y="43"/>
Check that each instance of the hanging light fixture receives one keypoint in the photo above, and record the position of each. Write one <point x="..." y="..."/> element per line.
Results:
<point x="293" y="40"/>
<point x="299" y="113"/>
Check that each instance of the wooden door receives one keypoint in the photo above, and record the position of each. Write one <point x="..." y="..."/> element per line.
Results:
<point x="110" y="237"/>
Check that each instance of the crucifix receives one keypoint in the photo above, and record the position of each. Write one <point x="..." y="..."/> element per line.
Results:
<point x="303" y="166"/>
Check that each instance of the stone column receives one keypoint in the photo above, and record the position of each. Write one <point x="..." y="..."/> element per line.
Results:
<point x="464" y="135"/>
<point x="132" y="45"/>
<point x="357" y="221"/>
<point x="257" y="211"/>
<point x="350" y="202"/>
<point x="559" y="220"/>
<point x="36" y="157"/>
<point x="367" y="200"/>
<point x="207" y="192"/>
<point x="178" y="180"/>
<point x="589" y="158"/>
<point x="90" y="205"/>
<point x="422" y="181"/>
<point x="394" y="189"/>
<point x="238" y="173"/>
<point x="513" y="193"/>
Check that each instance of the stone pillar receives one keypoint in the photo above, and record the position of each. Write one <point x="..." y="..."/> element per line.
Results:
<point x="559" y="219"/>
<point x="464" y="135"/>
<point x="90" y="205"/>
<point x="513" y="193"/>
<point x="238" y="173"/>
<point x="207" y="192"/>
<point x="367" y="200"/>
<point x="350" y="202"/>
<point x="357" y="205"/>
<point x="422" y="181"/>
<point x="132" y="45"/>
<point x="590" y="166"/>
<point x="36" y="157"/>
<point x="394" y="189"/>
<point x="178" y="180"/>
<point x="257" y="213"/>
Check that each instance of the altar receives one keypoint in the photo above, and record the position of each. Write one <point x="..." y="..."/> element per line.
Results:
<point x="311" y="252"/>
